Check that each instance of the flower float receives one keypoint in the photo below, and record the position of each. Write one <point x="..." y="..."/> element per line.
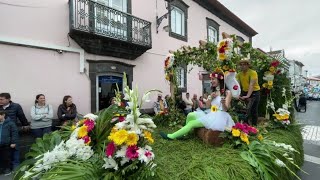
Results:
<point x="269" y="75"/>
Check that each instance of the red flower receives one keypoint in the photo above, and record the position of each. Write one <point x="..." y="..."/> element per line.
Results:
<point x="86" y="139"/>
<point x="148" y="154"/>
<point x="235" y="87"/>
<point x="278" y="72"/>
<point x="110" y="149"/>
<point x="252" y="130"/>
<point x="122" y="118"/>
<point x="89" y="123"/>
<point x="222" y="50"/>
<point x="132" y="152"/>
<point x="275" y="63"/>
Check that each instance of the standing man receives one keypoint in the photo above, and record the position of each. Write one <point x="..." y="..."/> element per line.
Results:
<point x="248" y="80"/>
<point x="14" y="112"/>
<point x="188" y="103"/>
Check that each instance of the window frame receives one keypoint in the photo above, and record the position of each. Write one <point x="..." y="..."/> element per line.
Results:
<point x="214" y="25"/>
<point x="185" y="69"/>
<point x="182" y="6"/>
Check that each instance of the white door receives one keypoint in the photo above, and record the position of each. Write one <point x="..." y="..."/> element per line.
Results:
<point x="110" y="22"/>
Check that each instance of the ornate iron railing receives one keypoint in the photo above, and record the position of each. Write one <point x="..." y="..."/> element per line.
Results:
<point x="93" y="17"/>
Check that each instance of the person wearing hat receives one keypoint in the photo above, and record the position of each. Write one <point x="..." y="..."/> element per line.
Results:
<point x="160" y="106"/>
<point x="250" y="89"/>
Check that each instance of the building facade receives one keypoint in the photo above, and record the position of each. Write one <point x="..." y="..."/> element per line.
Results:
<point x="296" y="74"/>
<point x="82" y="47"/>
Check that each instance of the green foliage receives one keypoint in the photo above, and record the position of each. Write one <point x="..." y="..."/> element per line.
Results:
<point x="103" y="127"/>
<point x="44" y="144"/>
<point x="76" y="169"/>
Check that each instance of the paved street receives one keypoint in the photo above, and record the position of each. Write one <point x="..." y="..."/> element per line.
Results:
<point x="311" y="136"/>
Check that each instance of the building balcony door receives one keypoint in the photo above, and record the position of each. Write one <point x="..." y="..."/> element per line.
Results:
<point x="111" y="22"/>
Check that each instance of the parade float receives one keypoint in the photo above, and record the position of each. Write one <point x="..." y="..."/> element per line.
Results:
<point x="121" y="143"/>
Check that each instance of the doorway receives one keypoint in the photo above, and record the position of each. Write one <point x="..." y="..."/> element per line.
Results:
<point x="107" y="85"/>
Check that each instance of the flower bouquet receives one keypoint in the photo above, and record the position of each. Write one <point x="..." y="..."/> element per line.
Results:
<point x="242" y="133"/>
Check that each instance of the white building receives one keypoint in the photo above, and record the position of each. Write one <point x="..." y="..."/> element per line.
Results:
<point x="295" y="73"/>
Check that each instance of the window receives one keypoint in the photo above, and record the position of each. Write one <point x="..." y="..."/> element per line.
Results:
<point x="177" y="21"/>
<point x="240" y="39"/>
<point x="182" y="78"/>
<point x="212" y="30"/>
<point x="212" y="34"/>
<point x="178" y="16"/>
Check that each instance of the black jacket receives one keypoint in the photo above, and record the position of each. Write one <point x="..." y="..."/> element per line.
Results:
<point x="64" y="114"/>
<point x="15" y="112"/>
<point x="9" y="132"/>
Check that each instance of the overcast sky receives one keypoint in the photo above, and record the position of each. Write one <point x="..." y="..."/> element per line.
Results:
<point x="292" y="25"/>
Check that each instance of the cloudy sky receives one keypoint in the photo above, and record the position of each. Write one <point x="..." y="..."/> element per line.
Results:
<point x="292" y="25"/>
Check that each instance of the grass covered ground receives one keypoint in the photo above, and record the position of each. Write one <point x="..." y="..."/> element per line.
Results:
<point x="192" y="159"/>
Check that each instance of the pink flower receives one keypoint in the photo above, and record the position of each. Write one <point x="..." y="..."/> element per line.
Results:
<point x="239" y="126"/>
<point x="122" y="118"/>
<point x="253" y="130"/>
<point x="110" y="149"/>
<point x="132" y="152"/>
<point x="89" y="123"/>
<point x="148" y="154"/>
<point x="86" y="139"/>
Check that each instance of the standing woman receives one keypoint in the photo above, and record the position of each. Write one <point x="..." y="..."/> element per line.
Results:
<point x="41" y="117"/>
<point x="67" y="111"/>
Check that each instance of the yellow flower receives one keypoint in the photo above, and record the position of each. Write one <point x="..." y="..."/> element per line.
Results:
<point x="73" y="127"/>
<point x="113" y="130"/>
<point x="235" y="132"/>
<point x="270" y="87"/>
<point x="119" y="137"/>
<point x="270" y="83"/>
<point x="148" y="136"/>
<point x="132" y="139"/>
<point x="225" y="67"/>
<point x="218" y="69"/>
<point x="222" y="43"/>
<point x="260" y="137"/>
<point x="214" y="108"/>
<point x="222" y="57"/>
<point x="272" y="69"/>
<point x="83" y="131"/>
<point x="244" y="137"/>
<point x="167" y="77"/>
<point x="264" y="85"/>
<point x="80" y="122"/>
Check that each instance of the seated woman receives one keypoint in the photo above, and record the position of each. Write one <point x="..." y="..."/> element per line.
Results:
<point x="67" y="111"/>
<point x="215" y="117"/>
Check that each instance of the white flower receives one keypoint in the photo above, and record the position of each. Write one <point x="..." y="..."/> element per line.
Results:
<point x="284" y="92"/>
<point x="280" y="163"/>
<point x="110" y="163"/>
<point x="27" y="174"/>
<point x="145" y="97"/>
<point x="121" y="152"/>
<point x="91" y="116"/>
<point x="124" y="160"/>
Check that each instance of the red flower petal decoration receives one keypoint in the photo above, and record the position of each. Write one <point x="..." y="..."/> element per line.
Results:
<point x="235" y="87"/>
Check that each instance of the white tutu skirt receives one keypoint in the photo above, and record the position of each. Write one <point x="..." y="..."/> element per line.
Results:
<point x="219" y="120"/>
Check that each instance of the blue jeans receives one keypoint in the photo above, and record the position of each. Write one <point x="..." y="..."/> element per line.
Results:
<point x="38" y="133"/>
<point x="15" y="158"/>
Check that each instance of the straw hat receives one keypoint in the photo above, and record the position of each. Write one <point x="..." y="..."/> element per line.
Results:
<point x="245" y="60"/>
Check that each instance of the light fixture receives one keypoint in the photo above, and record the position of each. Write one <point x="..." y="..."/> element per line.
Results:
<point x="113" y="67"/>
<point x="166" y="28"/>
<point x="165" y="16"/>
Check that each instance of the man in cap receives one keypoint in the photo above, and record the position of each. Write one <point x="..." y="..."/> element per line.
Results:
<point x="250" y="89"/>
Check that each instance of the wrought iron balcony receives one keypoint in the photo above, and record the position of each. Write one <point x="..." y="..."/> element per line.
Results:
<point x="103" y="30"/>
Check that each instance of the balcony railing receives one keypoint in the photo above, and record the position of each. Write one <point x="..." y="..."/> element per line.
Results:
<point x="93" y="17"/>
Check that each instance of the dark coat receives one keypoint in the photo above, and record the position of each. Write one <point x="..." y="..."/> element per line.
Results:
<point x="64" y="114"/>
<point x="9" y="132"/>
<point x="15" y="112"/>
